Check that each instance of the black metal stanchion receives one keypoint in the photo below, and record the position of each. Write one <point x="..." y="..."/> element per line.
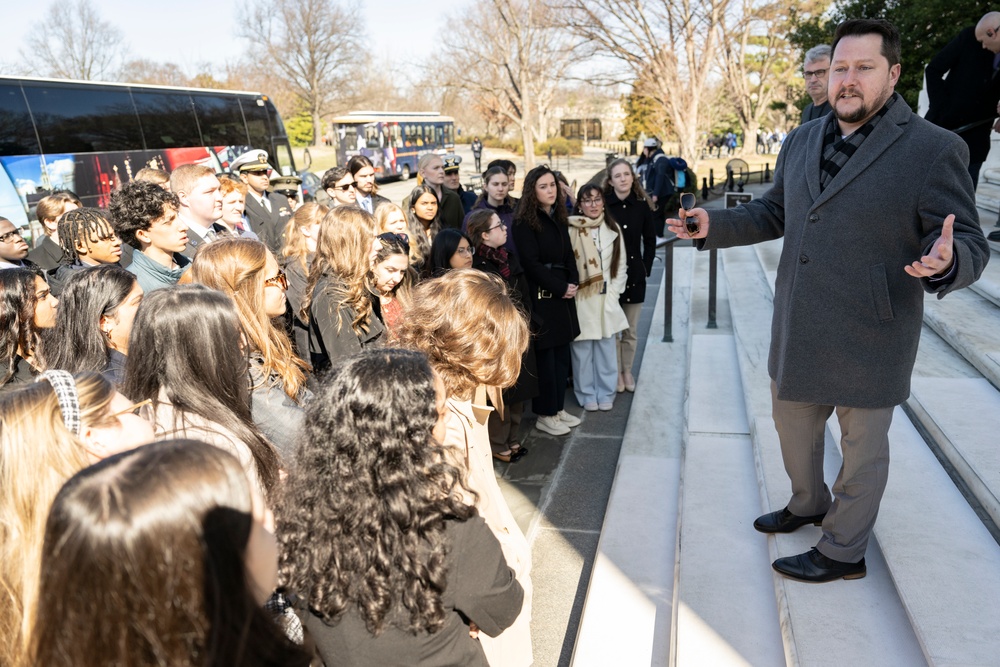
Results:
<point x="704" y="189"/>
<point x="713" y="270"/>
<point x="668" y="293"/>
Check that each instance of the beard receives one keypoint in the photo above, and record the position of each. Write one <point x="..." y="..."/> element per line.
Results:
<point x="864" y="111"/>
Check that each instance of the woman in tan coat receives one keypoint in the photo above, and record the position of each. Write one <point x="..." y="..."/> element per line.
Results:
<point x="474" y="336"/>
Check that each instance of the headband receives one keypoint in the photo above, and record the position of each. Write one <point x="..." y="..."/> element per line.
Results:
<point x="69" y="401"/>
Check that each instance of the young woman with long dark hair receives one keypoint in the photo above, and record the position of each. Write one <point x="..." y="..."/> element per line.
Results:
<point x="378" y="533"/>
<point x="423" y="215"/>
<point x="186" y="358"/>
<point x="174" y="547"/>
<point x="628" y="204"/>
<point x="94" y="321"/>
<point x="245" y="270"/>
<point x="27" y="307"/>
<point x="297" y="252"/>
<point x="390" y="279"/>
<point x="600" y="261"/>
<point x="541" y="232"/>
<point x="496" y="198"/>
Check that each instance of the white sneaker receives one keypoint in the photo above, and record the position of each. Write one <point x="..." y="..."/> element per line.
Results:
<point x="551" y="425"/>
<point x="590" y="407"/>
<point x="568" y="419"/>
<point x="605" y="407"/>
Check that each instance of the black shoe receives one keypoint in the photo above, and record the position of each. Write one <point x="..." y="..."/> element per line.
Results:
<point x="994" y="236"/>
<point x="815" y="568"/>
<point x="784" y="521"/>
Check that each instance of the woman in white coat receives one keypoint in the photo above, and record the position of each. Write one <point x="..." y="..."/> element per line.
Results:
<point x="600" y="259"/>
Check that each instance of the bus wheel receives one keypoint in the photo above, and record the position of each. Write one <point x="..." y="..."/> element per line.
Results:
<point x="406" y="172"/>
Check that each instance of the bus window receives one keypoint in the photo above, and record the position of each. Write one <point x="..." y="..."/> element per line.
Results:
<point x="283" y="156"/>
<point x="83" y="120"/>
<point x="371" y="136"/>
<point x="167" y="120"/>
<point x="256" y="117"/>
<point x="17" y="134"/>
<point x="395" y="136"/>
<point x="277" y="127"/>
<point x="221" y="120"/>
<point x="349" y="139"/>
<point x="438" y="136"/>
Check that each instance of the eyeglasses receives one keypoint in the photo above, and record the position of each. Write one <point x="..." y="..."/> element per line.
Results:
<point x="467" y="250"/>
<point x="591" y="202"/>
<point x="992" y="33"/>
<point x="496" y="226"/>
<point x="142" y="409"/>
<point x="818" y="73"/>
<point x="4" y="238"/>
<point x="345" y="187"/>
<point x="280" y="280"/>
<point x="389" y="237"/>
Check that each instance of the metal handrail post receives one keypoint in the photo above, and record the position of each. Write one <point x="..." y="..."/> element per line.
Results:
<point x="668" y="293"/>
<point x="713" y="268"/>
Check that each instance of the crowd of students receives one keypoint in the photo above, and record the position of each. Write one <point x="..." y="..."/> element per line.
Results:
<point x="358" y="376"/>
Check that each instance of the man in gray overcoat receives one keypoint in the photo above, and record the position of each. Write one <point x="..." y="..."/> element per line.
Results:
<point x="876" y="206"/>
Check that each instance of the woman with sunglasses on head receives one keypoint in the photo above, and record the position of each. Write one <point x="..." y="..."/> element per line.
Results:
<point x="337" y="304"/>
<point x="423" y="215"/>
<point x="93" y="322"/>
<point x="27" y="308"/>
<point x="339" y="184"/>
<point x="495" y="198"/>
<point x="246" y="271"/>
<point x="49" y="430"/>
<point x="390" y="278"/>
<point x="451" y="249"/>
<point x="489" y="234"/>
<point x="176" y="550"/>
<point x="187" y="357"/>
<point x="297" y="251"/>
<point x="628" y="204"/>
<point x="600" y="261"/>
<point x="541" y="232"/>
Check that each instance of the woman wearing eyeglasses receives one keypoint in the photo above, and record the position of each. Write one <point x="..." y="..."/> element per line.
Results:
<point x="339" y="184"/>
<point x="246" y="270"/>
<point x="49" y="431"/>
<point x="27" y="307"/>
<point x="495" y="198"/>
<point x="337" y="304"/>
<point x="451" y="250"/>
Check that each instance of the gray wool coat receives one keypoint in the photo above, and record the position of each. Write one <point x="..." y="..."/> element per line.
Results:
<point x="847" y="317"/>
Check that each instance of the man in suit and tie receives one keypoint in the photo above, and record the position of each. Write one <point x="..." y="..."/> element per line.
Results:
<point x="197" y="190"/>
<point x="876" y="206"/>
<point x="365" y="189"/>
<point x="267" y="212"/>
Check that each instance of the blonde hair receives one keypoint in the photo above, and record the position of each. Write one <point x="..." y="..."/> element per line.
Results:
<point x="37" y="455"/>
<point x="467" y="325"/>
<point x="53" y="206"/>
<point x="343" y="248"/>
<point x="152" y="175"/>
<point x="296" y="246"/>
<point x="185" y="176"/>
<point x="382" y="214"/>
<point x="236" y="268"/>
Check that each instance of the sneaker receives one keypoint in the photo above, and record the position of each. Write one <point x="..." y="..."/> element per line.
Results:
<point x="568" y="419"/>
<point x="551" y="425"/>
<point x="605" y="407"/>
<point x="994" y="236"/>
<point x="590" y="407"/>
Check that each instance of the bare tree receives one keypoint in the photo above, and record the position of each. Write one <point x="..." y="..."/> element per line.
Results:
<point x="511" y="63"/>
<point x="74" y="42"/>
<point x="142" y="70"/>
<point x="670" y="44"/>
<point x="757" y="61"/>
<point x="316" y="45"/>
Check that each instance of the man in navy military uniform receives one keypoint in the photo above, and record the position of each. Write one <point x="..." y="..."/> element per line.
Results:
<point x="268" y="213"/>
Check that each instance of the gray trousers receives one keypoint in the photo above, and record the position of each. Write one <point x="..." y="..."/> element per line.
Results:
<point x="857" y="491"/>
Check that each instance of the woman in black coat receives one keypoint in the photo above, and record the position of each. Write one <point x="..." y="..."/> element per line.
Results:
<point x="489" y="237"/>
<point x="627" y="203"/>
<point x="542" y="238"/>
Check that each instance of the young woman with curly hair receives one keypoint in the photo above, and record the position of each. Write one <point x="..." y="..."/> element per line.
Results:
<point x="49" y="430"/>
<point x="375" y="530"/>
<point x="245" y="270"/>
<point x="27" y="307"/>
<point x="94" y="321"/>
<point x="187" y="359"/>
<point x="541" y="231"/>
<point x="175" y="549"/>
<point x="628" y="204"/>
<point x="337" y="304"/>
<point x="474" y="336"/>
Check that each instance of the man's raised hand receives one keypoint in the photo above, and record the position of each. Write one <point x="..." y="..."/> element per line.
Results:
<point x="941" y="256"/>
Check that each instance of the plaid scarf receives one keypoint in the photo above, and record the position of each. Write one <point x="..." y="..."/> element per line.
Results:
<point x="498" y="256"/>
<point x="837" y="151"/>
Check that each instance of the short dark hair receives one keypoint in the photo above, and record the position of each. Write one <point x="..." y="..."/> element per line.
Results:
<point x="891" y="44"/>
<point x="507" y="165"/>
<point x="333" y="175"/>
<point x="136" y="205"/>
<point x="357" y="163"/>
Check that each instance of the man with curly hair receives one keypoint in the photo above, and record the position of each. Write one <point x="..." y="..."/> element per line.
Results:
<point x="145" y="217"/>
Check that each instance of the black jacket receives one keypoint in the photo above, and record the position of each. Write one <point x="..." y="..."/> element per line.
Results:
<point x="47" y="254"/>
<point x="269" y="227"/>
<point x="329" y="342"/>
<point x="550" y="267"/>
<point x="635" y="218"/>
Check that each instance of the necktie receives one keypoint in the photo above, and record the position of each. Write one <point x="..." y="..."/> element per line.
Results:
<point x="367" y="202"/>
<point x="266" y="203"/>
<point x="210" y="234"/>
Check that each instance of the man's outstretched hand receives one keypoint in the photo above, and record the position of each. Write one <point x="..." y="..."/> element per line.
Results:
<point x="941" y="256"/>
<point x="677" y="226"/>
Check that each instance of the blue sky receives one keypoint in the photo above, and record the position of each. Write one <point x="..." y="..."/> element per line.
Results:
<point x="191" y="32"/>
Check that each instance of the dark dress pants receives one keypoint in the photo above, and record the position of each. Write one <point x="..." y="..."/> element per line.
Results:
<point x="553" y="373"/>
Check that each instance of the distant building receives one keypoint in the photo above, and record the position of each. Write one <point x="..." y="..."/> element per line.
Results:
<point x="583" y="129"/>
